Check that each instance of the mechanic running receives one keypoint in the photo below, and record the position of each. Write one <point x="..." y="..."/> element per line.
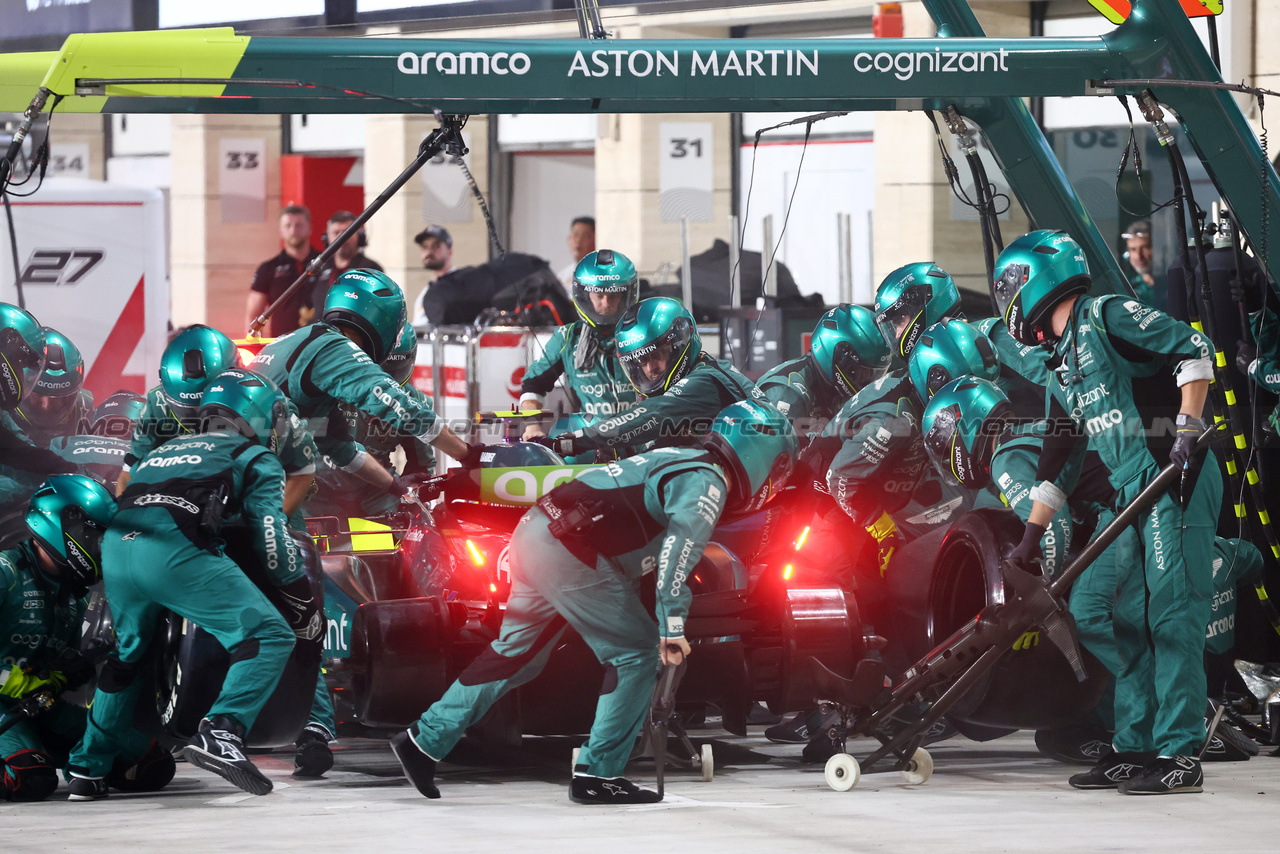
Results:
<point x="605" y="285"/>
<point x="576" y="560"/>
<point x="164" y="551"/>
<point x="1100" y="346"/>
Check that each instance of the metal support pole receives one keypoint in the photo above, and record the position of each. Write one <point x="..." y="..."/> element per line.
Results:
<point x="846" y="240"/>
<point x="446" y="138"/>
<point x="686" y="271"/>
<point x="871" y="251"/>
<point x="842" y="272"/>
<point x="735" y="260"/>
<point x="768" y="271"/>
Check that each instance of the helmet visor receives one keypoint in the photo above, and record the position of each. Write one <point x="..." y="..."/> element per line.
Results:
<point x="45" y="410"/>
<point x="1007" y="285"/>
<point x="852" y="372"/>
<point x="22" y="364"/>
<point x="651" y="368"/>
<point x="904" y="319"/>
<point x="603" y="304"/>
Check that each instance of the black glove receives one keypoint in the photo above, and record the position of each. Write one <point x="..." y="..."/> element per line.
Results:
<point x="471" y="459"/>
<point x="564" y="444"/>
<point x="297" y="603"/>
<point x="406" y="482"/>
<point x="1245" y="354"/>
<point x="1027" y="551"/>
<point x="1183" y="452"/>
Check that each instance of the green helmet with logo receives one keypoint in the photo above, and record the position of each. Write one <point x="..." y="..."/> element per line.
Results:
<point x="605" y="272"/>
<point x="960" y="424"/>
<point x="948" y="351"/>
<point x="913" y="298"/>
<point x="657" y="344"/>
<point x="193" y="358"/>
<point x="849" y="349"/>
<point x="116" y="415"/>
<point x="243" y="402"/>
<point x="369" y="302"/>
<point x="67" y="517"/>
<point x="399" y="362"/>
<point x="758" y="446"/>
<point x="21" y="355"/>
<point x="63" y="374"/>
<point x="1033" y="274"/>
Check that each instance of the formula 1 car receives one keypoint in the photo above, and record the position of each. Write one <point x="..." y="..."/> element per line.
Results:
<point x="411" y="602"/>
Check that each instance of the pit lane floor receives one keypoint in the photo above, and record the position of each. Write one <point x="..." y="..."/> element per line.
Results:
<point x="998" y="796"/>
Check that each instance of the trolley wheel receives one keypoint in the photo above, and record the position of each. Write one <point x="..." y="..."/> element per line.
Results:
<point x="919" y="767"/>
<point x="842" y="772"/>
<point x="708" y="764"/>
<point x="573" y="762"/>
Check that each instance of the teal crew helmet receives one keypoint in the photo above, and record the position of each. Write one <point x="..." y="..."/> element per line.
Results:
<point x="58" y="386"/>
<point x="947" y="351"/>
<point x="1032" y="275"/>
<point x="369" y="302"/>
<point x="193" y="358"/>
<point x="243" y="402"/>
<point x="117" y="415"/>
<point x="67" y="517"/>
<point x="849" y="349"/>
<point x="758" y="446"/>
<point x="657" y="344"/>
<point x="605" y="285"/>
<point x="960" y="424"/>
<point x="21" y="355"/>
<point x="399" y="362"/>
<point x="913" y="298"/>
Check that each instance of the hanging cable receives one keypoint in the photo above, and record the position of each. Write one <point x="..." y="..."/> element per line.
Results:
<point x="13" y="250"/>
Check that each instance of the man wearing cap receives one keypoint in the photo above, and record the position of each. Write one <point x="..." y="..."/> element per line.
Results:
<point x="1137" y="251"/>
<point x="437" y="256"/>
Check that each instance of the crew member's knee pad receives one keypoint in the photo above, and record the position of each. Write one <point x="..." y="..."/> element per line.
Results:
<point x="150" y="773"/>
<point x="29" y="775"/>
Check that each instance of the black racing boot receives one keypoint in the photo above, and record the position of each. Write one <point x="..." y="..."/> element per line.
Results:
<point x="219" y="747"/>
<point x="313" y="757"/>
<point x="1111" y="770"/>
<point x="418" y="766"/>
<point x="1079" y="744"/>
<point x="801" y="727"/>
<point x="1167" y="775"/>
<point x="83" y="788"/>
<point x="586" y="789"/>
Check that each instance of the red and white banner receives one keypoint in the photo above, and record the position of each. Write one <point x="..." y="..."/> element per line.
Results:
<point x="91" y="260"/>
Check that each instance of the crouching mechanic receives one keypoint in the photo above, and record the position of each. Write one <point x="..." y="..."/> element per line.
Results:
<point x="337" y="361"/>
<point x="164" y="550"/>
<point x="605" y="286"/>
<point x="576" y="559"/>
<point x="849" y="349"/>
<point x="684" y="389"/>
<point x="43" y="585"/>
<point x="1102" y="347"/>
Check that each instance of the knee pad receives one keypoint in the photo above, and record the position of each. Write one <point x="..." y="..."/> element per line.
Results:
<point x="29" y="775"/>
<point x="150" y="773"/>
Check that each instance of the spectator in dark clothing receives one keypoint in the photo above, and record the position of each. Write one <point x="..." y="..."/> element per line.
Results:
<point x="349" y="256"/>
<point x="274" y="276"/>
<point x="437" y="257"/>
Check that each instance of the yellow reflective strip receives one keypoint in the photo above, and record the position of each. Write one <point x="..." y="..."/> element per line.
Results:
<point x="1217" y="419"/>
<point x="1221" y="359"/>
<point x="1264" y="517"/>
<point x="1252" y="477"/>
<point x="1239" y="511"/>
<point x="1231" y="467"/>
<point x="1231" y="397"/>
<point x="1197" y="326"/>
<point x="1262" y="593"/>
<point x="1241" y="443"/>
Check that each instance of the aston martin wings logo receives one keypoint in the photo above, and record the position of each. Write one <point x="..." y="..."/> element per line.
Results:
<point x="936" y="515"/>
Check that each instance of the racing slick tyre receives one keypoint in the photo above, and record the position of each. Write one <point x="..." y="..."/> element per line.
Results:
<point x="399" y="659"/>
<point x="842" y="772"/>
